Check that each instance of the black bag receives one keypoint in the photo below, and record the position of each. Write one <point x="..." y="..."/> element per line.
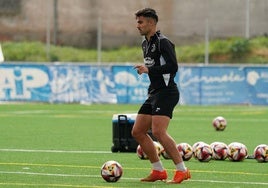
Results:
<point x="122" y="138"/>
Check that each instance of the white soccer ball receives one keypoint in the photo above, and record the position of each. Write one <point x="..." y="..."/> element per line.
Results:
<point x="219" y="123"/>
<point x="185" y="150"/>
<point x="111" y="171"/>
<point x="203" y="152"/>
<point x="237" y="151"/>
<point x="261" y="153"/>
<point x="159" y="148"/>
<point x="142" y="155"/>
<point x="196" y="145"/>
<point x="219" y="150"/>
<point x="165" y="155"/>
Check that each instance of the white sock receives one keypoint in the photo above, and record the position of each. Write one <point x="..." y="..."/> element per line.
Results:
<point x="158" y="166"/>
<point x="180" y="166"/>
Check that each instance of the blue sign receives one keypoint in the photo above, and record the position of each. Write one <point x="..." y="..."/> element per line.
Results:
<point x="130" y="87"/>
<point x="68" y="83"/>
<point x="213" y="85"/>
<point x="24" y="83"/>
<point x="257" y="82"/>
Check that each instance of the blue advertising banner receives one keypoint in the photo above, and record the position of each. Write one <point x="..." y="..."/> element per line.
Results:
<point x="257" y="82"/>
<point x="84" y="84"/>
<point x="213" y="85"/>
<point x="69" y="83"/>
<point x="130" y="87"/>
<point x="24" y="83"/>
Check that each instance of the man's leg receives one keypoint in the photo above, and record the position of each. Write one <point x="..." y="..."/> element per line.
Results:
<point x="139" y="132"/>
<point x="159" y="130"/>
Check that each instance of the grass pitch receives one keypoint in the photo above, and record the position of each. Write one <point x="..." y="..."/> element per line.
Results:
<point x="65" y="145"/>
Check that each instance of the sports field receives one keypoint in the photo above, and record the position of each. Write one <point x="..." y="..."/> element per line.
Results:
<point x="45" y="145"/>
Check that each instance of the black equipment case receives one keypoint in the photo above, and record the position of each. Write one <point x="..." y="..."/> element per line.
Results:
<point x="122" y="138"/>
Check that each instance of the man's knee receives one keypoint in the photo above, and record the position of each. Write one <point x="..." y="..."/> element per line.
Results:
<point x="134" y="133"/>
<point x="138" y="132"/>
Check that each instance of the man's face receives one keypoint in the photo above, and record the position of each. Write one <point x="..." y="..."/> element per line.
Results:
<point x="144" y="25"/>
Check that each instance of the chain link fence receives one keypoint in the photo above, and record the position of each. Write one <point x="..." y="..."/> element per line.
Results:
<point x="108" y="24"/>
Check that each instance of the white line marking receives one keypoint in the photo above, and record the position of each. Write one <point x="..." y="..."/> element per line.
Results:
<point x="98" y="176"/>
<point x="42" y="112"/>
<point x="232" y="182"/>
<point x="48" y="174"/>
<point x="52" y="151"/>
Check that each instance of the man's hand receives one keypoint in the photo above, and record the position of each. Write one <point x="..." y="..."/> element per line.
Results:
<point x="141" y="69"/>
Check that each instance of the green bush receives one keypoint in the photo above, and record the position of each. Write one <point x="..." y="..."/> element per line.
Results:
<point x="24" y="51"/>
<point x="191" y="54"/>
<point x="218" y="47"/>
<point x="239" y="48"/>
<point x="232" y="50"/>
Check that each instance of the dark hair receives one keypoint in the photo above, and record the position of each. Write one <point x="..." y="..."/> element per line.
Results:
<point x="148" y="13"/>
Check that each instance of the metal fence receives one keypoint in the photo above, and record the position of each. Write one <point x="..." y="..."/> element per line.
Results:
<point x="108" y="24"/>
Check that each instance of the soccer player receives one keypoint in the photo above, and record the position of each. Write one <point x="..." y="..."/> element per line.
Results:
<point x="160" y="64"/>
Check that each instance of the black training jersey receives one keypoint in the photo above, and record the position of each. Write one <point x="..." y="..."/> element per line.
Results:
<point x="160" y="58"/>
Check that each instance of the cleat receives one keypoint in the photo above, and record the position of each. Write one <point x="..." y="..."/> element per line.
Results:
<point x="156" y="175"/>
<point x="179" y="176"/>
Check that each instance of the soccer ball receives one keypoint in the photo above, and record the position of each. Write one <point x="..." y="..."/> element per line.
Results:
<point x="159" y="148"/>
<point x="196" y="145"/>
<point x="261" y="153"/>
<point x="111" y="171"/>
<point x="203" y="152"/>
<point x="185" y="150"/>
<point x="219" y="150"/>
<point x="219" y="123"/>
<point x="140" y="153"/>
<point x="237" y="151"/>
<point x="165" y="155"/>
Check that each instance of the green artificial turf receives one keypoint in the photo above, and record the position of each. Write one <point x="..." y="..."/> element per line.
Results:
<point x="65" y="145"/>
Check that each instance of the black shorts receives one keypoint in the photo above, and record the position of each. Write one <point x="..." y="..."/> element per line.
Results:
<point x="161" y="102"/>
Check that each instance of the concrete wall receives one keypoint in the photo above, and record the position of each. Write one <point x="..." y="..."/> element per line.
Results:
<point x="183" y="21"/>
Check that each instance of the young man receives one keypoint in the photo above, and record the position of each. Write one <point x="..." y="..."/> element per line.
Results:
<point x="160" y="64"/>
